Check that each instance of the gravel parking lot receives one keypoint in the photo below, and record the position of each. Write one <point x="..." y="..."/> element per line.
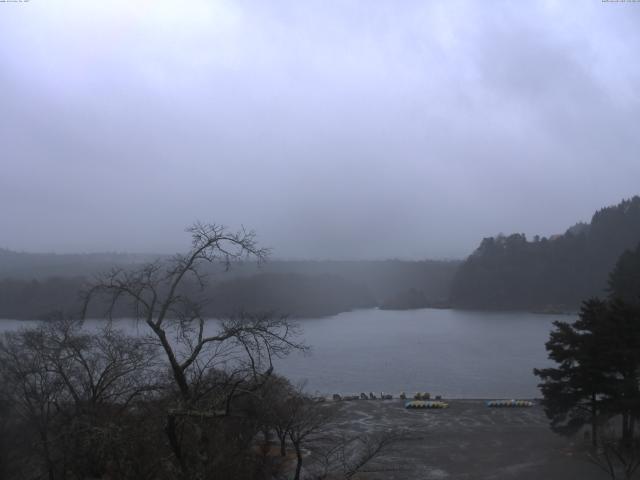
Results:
<point x="467" y="441"/>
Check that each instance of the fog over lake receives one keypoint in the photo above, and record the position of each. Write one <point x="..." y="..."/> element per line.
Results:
<point x="454" y="353"/>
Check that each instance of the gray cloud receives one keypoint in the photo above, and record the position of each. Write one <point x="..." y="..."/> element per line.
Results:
<point x="335" y="129"/>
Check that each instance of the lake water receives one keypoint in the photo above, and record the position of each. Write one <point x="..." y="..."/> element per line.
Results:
<point x="454" y="353"/>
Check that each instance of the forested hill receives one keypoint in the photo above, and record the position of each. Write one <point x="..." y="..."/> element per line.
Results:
<point x="30" y="266"/>
<point x="556" y="273"/>
<point x="34" y="285"/>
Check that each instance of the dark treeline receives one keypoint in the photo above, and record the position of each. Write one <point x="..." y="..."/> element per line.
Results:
<point x="596" y="379"/>
<point x="292" y="294"/>
<point x="37" y="299"/>
<point x="556" y="273"/>
<point x="28" y="266"/>
<point x="297" y="288"/>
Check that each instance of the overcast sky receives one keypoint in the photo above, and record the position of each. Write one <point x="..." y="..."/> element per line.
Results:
<point x="335" y="129"/>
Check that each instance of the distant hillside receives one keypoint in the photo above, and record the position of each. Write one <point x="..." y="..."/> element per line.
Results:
<point x="290" y="294"/>
<point x="33" y="285"/>
<point x="556" y="273"/>
<point x="282" y="294"/>
<point x="384" y="279"/>
<point x="43" y="265"/>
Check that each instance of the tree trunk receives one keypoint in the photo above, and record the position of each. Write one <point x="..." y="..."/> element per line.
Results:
<point x="45" y="445"/>
<point x="299" y="464"/>
<point x="178" y="373"/>
<point x="626" y="441"/>
<point x="594" y="414"/>
<point x="171" y="431"/>
<point x="283" y="446"/>
<point x="266" y="445"/>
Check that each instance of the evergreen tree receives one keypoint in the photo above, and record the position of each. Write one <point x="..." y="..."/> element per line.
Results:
<point x="575" y="391"/>
<point x="598" y="357"/>
<point x="620" y="336"/>
<point x="624" y="280"/>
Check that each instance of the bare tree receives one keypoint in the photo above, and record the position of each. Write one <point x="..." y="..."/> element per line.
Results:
<point x="70" y="388"/>
<point x="347" y="457"/>
<point x="274" y="410"/>
<point x="308" y="419"/>
<point x="35" y="395"/>
<point x="617" y="458"/>
<point x="105" y="367"/>
<point x="209" y="369"/>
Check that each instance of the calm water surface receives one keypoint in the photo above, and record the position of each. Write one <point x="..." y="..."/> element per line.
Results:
<point x="449" y="352"/>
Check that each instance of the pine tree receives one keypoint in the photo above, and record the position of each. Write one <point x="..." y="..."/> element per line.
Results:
<point x="576" y="391"/>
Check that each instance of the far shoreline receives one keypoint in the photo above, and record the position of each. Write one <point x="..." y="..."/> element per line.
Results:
<point x="546" y="311"/>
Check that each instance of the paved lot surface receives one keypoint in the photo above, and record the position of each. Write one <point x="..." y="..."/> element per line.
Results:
<point x="468" y="441"/>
